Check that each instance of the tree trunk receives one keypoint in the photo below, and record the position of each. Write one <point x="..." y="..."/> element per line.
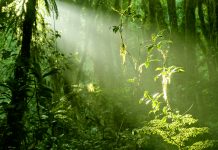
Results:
<point x="171" y="4"/>
<point x="15" y="131"/>
<point x="190" y="38"/>
<point x="216" y="32"/>
<point x="210" y="33"/>
<point x="152" y="16"/>
<point x="160" y="15"/>
<point x="190" y="54"/>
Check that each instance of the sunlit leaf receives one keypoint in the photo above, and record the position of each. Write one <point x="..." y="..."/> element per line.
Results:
<point x="147" y="64"/>
<point x="141" y="100"/>
<point x="146" y="95"/>
<point x="158" y="69"/>
<point x="131" y="80"/>
<point x="154" y="38"/>
<point x="140" y="67"/>
<point x="90" y="87"/>
<point x="147" y="101"/>
<point x="44" y="116"/>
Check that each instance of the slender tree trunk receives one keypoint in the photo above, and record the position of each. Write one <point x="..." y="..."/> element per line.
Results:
<point x="171" y="4"/>
<point x="190" y="38"/>
<point x="152" y="16"/>
<point x="190" y="54"/>
<point x="202" y="19"/>
<point x="216" y="33"/>
<point x="160" y="15"/>
<point x="145" y="10"/>
<point x="210" y="33"/>
<point x="15" y="131"/>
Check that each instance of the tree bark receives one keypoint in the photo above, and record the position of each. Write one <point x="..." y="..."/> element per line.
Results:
<point x="190" y="55"/>
<point x="171" y="4"/>
<point x="15" y="131"/>
<point x="209" y="31"/>
<point x="160" y="15"/>
<point x="152" y="15"/>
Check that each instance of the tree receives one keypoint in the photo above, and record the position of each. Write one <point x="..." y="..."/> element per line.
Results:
<point x="15" y="134"/>
<point x="15" y="130"/>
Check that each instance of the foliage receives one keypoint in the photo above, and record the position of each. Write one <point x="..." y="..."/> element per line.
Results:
<point x="175" y="128"/>
<point x="67" y="110"/>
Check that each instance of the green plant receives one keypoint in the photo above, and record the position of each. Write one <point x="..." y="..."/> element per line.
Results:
<point x="177" y="129"/>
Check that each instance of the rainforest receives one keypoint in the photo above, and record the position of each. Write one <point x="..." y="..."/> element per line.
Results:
<point x="108" y="74"/>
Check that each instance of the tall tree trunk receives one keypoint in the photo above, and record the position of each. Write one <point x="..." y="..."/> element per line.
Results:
<point x="216" y="34"/>
<point x="190" y="53"/>
<point x="176" y="49"/>
<point x="190" y="38"/>
<point x="152" y="16"/>
<point x="160" y="15"/>
<point x="15" y="131"/>
<point x="171" y="4"/>
<point x="209" y="32"/>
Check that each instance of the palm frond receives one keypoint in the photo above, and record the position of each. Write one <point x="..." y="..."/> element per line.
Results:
<point x="47" y="6"/>
<point x="55" y="8"/>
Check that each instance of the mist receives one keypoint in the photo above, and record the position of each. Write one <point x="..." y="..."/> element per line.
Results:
<point x="89" y="33"/>
<point x="80" y="31"/>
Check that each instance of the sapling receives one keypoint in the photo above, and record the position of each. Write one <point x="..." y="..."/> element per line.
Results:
<point x="176" y="129"/>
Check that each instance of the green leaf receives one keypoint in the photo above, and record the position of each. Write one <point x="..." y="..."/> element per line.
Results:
<point x="147" y="101"/>
<point x="150" y="48"/>
<point x="141" y="100"/>
<point x="44" y="117"/>
<point x="147" y="64"/>
<point x="158" y="69"/>
<point x="52" y="72"/>
<point x="165" y="110"/>
<point x="153" y="38"/>
<point x="4" y="85"/>
<point x="115" y="28"/>
<point x="140" y="67"/>
<point x="131" y="80"/>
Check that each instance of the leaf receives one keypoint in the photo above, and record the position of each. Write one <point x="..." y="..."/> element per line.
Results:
<point x="44" y="117"/>
<point x="153" y="38"/>
<point x="57" y="34"/>
<point x="47" y="6"/>
<point x="5" y="54"/>
<point x="147" y="64"/>
<point x="165" y="110"/>
<point x="45" y="91"/>
<point x="146" y="95"/>
<point x="147" y="101"/>
<point x="52" y="72"/>
<point x="115" y="28"/>
<point x="158" y="69"/>
<point x="141" y="100"/>
<point x="90" y="87"/>
<point x="150" y="48"/>
<point x="131" y="80"/>
<point x="155" y="95"/>
<point x="55" y="8"/>
<point x="157" y="77"/>
<point x="4" y="85"/>
<point x="140" y="67"/>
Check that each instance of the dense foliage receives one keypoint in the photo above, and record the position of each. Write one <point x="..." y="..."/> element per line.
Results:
<point x="127" y="93"/>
